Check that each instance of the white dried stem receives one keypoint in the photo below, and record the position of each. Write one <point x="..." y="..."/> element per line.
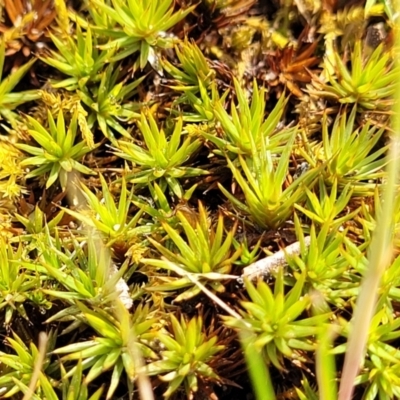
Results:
<point x="267" y="265"/>
<point x="122" y="289"/>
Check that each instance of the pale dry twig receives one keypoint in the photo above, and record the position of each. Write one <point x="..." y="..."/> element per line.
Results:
<point x="267" y="265"/>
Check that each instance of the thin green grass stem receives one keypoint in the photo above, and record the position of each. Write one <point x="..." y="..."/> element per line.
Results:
<point x="380" y="253"/>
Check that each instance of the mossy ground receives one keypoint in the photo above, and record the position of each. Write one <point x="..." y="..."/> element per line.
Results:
<point x="149" y="152"/>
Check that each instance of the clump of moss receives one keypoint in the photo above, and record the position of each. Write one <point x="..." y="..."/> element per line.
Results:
<point x="149" y="154"/>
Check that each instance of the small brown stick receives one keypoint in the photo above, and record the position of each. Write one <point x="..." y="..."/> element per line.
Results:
<point x="269" y="264"/>
<point x="37" y="369"/>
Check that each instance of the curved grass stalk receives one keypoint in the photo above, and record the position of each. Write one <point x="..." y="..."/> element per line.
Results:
<point x="122" y="304"/>
<point x="380" y="251"/>
<point x="38" y="365"/>
<point x="258" y="370"/>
